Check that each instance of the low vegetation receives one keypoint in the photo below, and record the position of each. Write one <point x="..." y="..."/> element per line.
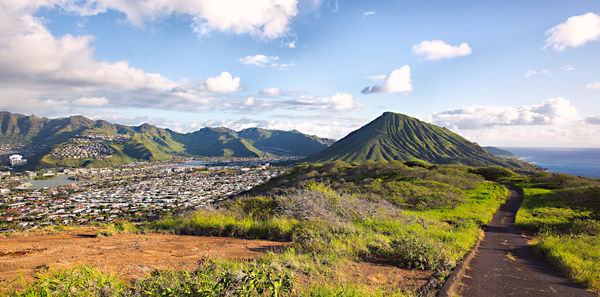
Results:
<point x="420" y="216"/>
<point x="563" y="211"/>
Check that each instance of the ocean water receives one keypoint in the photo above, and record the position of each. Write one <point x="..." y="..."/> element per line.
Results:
<point x="576" y="161"/>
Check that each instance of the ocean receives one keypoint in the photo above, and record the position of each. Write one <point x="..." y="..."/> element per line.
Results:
<point x="576" y="161"/>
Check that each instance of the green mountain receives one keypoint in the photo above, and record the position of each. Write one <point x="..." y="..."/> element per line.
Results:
<point x="216" y="142"/>
<point x="395" y="136"/>
<point x="284" y="142"/>
<point x="79" y="141"/>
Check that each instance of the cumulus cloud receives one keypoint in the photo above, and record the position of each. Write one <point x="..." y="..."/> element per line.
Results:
<point x="334" y="127"/>
<point x="224" y="83"/>
<point x="337" y="102"/>
<point x="36" y="66"/>
<point x="554" y="122"/>
<point x="397" y="81"/>
<point x="265" y="18"/>
<point x="531" y="72"/>
<point x="262" y="61"/>
<point x="592" y="86"/>
<point x="437" y="49"/>
<point x="551" y="111"/>
<point x="258" y="60"/>
<point x="576" y="31"/>
<point x="271" y="91"/>
<point x="91" y="101"/>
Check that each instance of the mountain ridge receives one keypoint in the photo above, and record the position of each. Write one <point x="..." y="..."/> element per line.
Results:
<point x="54" y="138"/>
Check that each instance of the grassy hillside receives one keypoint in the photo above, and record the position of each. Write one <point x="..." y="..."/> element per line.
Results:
<point x="399" y="137"/>
<point x="217" y="142"/>
<point x="563" y="211"/>
<point x="336" y="215"/>
<point x="284" y="142"/>
<point x="145" y="142"/>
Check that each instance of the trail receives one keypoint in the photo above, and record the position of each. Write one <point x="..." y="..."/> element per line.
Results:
<point x="506" y="266"/>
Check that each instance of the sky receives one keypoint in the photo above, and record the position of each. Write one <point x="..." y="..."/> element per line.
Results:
<point x="504" y="73"/>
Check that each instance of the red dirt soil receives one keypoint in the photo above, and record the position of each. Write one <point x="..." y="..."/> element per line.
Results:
<point x="128" y="255"/>
<point x="133" y="256"/>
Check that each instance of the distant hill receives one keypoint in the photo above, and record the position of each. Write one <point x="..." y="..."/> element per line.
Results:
<point x="284" y="142"/>
<point x="497" y="151"/>
<point x="59" y="142"/>
<point x="394" y="136"/>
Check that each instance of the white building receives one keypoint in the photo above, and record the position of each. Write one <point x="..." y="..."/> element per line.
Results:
<point x="17" y="160"/>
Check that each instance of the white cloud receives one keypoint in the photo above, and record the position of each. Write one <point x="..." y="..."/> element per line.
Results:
<point x="553" y="123"/>
<point x="250" y="101"/>
<point x="262" y="61"/>
<point x="35" y="66"/>
<point x="259" y="60"/>
<point x="334" y="127"/>
<point x="531" y="72"/>
<point x="592" y="86"/>
<point x="224" y="83"/>
<point x="567" y="68"/>
<point x="91" y="101"/>
<point x="576" y="31"/>
<point x="397" y="81"/>
<point x="437" y="49"/>
<point x="264" y="18"/>
<point x="267" y="19"/>
<point x="271" y="91"/>
<point x="552" y="111"/>
<point x="337" y="102"/>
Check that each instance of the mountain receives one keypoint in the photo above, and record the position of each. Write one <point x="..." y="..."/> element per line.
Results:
<point x="217" y="142"/>
<point x="284" y="142"/>
<point x="394" y="136"/>
<point x="497" y="151"/>
<point x="79" y="141"/>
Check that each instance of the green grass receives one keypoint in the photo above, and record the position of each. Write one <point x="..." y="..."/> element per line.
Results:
<point x="357" y="220"/>
<point x="333" y="214"/>
<point x="564" y="214"/>
<point x="576" y="254"/>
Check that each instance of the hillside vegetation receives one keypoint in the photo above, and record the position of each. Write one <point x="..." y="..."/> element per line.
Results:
<point x="563" y="213"/>
<point x="399" y="137"/>
<point x="410" y="215"/>
<point x="145" y="142"/>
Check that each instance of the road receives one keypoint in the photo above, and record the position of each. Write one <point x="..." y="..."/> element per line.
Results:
<point x="506" y="266"/>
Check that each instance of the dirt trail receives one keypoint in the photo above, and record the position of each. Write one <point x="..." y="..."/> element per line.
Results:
<point x="129" y="255"/>
<point x="506" y="266"/>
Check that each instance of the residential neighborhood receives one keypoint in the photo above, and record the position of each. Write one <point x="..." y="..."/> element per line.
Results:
<point x="133" y="192"/>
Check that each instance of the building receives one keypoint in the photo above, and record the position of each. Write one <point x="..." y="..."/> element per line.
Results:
<point x="17" y="160"/>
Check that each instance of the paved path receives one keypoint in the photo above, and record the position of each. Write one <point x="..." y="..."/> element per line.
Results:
<point x="505" y="266"/>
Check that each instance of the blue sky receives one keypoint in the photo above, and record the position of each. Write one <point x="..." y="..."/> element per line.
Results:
<point x="507" y="73"/>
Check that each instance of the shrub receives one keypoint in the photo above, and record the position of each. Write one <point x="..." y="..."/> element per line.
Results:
<point x="413" y="251"/>
<point x="494" y="173"/>
<point x="418" y="163"/>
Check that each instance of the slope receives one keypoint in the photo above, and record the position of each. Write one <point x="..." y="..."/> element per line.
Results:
<point x="394" y="136"/>
<point x="284" y="142"/>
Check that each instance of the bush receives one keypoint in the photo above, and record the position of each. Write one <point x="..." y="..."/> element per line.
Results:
<point x="418" y="163"/>
<point x="413" y="251"/>
<point x="494" y="173"/>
